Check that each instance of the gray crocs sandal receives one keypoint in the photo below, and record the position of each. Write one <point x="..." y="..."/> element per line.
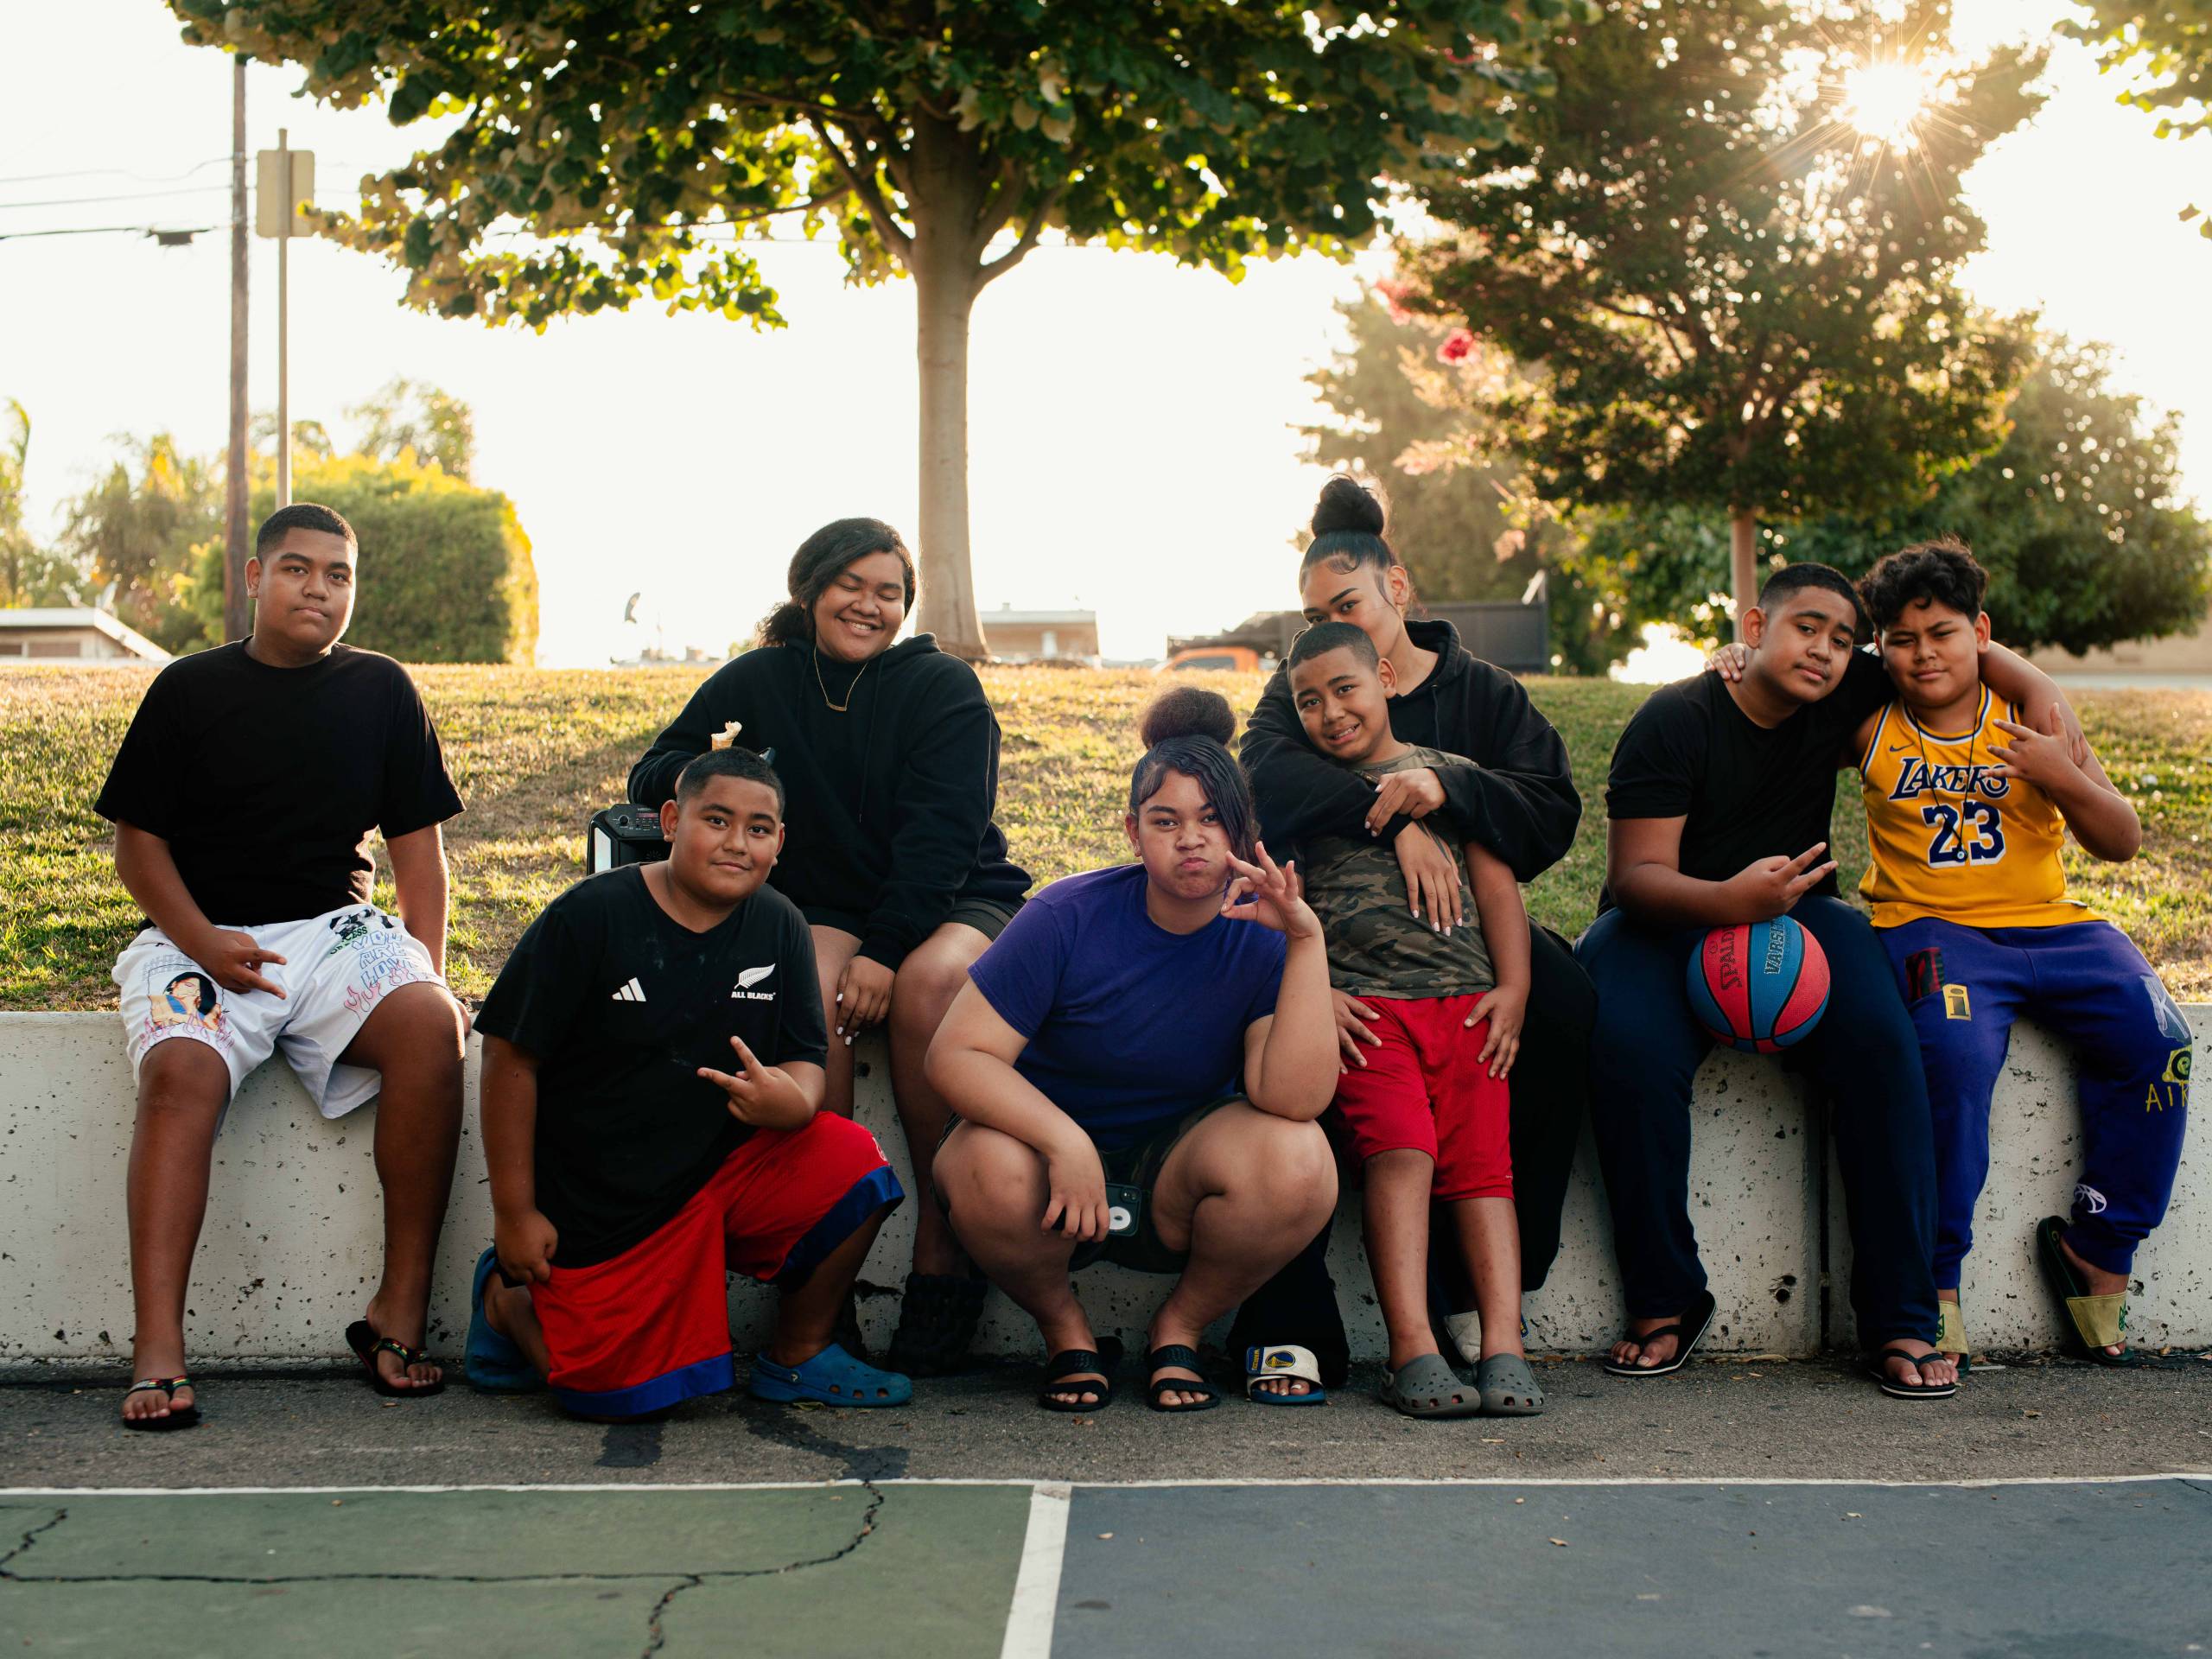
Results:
<point x="1508" y="1387"/>
<point x="1428" y="1387"/>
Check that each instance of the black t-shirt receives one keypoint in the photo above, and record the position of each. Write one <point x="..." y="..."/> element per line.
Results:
<point x="620" y="1004"/>
<point x="267" y="782"/>
<point x="1747" y="790"/>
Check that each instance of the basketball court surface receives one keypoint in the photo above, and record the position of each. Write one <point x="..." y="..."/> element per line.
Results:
<point x="1743" y="1508"/>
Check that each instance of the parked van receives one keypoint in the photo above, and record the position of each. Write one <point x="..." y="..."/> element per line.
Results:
<point x="1241" y="658"/>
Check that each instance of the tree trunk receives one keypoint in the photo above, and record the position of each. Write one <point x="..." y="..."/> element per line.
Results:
<point x="943" y="301"/>
<point x="1743" y="561"/>
<point x="946" y="194"/>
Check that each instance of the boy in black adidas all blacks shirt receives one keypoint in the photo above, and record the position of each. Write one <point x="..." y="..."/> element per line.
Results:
<point x="652" y="1084"/>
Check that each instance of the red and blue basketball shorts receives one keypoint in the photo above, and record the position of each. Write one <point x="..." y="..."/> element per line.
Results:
<point x="649" y="1328"/>
<point x="1421" y="1091"/>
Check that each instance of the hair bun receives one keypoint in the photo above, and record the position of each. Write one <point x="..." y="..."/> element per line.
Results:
<point x="1186" y="711"/>
<point x="1346" y="504"/>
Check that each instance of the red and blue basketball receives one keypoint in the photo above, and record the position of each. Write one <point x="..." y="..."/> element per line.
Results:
<point x="1759" y="986"/>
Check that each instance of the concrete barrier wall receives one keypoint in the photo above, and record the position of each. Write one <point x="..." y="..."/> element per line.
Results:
<point x="290" y="1249"/>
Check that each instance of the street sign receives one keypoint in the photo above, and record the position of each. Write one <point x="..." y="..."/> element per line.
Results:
<point x="271" y="192"/>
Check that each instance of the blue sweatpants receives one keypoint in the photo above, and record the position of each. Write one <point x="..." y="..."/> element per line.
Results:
<point x="1646" y="1049"/>
<point x="2088" y="983"/>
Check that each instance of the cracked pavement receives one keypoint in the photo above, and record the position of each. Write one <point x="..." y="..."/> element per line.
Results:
<point x="851" y="1559"/>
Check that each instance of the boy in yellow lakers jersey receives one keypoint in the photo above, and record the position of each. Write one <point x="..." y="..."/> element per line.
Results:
<point x="1966" y="810"/>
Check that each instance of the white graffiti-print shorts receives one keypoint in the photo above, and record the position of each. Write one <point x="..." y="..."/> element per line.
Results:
<point x="336" y="969"/>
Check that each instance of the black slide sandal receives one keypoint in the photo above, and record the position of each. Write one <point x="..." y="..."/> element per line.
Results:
<point x="1186" y="1358"/>
<point x="361" y="1337"/>
<point x="179" y="1417"/>
<point x="1688" y="1332"/>
<point x="1098" y="1362"/>
<point x="938" y="1318"/>
<point x="1879" y="1370"/>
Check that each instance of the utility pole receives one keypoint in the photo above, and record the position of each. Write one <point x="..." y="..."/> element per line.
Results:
<point x="237" y="617"/>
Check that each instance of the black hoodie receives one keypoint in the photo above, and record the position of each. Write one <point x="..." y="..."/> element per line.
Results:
<point x="888" y="809"/>
<point x="1518" y="800"/>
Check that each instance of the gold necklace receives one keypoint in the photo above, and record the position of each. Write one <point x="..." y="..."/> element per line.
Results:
<point x="839" y="707"/>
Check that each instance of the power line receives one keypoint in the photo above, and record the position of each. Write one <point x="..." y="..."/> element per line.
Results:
<point x="128" y="195"/>
<point x="163" y="232"/>
<point x="119" y="173"/>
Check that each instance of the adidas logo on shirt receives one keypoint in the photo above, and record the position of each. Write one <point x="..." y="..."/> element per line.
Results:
<point x="743" y="991"/>
<point x="632" y="992"/>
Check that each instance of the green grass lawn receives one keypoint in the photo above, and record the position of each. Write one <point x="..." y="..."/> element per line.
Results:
<point x="534" y="751"/>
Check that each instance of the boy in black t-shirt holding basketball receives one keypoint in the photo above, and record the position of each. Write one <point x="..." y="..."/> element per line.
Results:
<point x="1719" y="800"/>
<point x="244" y="797"/>
<point x="652" y="1084"/>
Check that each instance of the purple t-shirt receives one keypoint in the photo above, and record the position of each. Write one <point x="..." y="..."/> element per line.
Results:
<point x="1128" y="1025"/>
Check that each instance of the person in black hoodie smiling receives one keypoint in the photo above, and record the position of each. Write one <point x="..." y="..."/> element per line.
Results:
<point x="1517" y="799"/>
<point x="890" y="757"/>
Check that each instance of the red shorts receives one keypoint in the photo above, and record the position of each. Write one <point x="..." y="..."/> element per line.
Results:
<point x="649" y="1328"/>
<point x="1421" y="1091"/>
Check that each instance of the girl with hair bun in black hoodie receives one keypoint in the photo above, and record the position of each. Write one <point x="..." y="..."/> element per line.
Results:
<point x="1139" y="1063"/>
<point x="889" y="757"/>
<point x="1519" y="800"/>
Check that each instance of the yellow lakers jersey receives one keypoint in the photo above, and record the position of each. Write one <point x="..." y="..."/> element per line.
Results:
<point x="1949" y="839"/>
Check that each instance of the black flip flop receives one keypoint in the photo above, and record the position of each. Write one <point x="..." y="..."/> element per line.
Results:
<point x="2066" y="1285"/>
<point x="1688" y="1332"/>
<point x="1880" y="1372"/>
<point x="179" y="1417"/>
<point x="361" y="1337"/>
<point x="1178" y="1354"/>
<point x="1097" y="1361"/>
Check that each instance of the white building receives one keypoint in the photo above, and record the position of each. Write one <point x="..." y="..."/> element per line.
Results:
<point x="73" y="634"/>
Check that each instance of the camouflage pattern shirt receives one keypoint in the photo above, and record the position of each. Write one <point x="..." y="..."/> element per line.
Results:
<point x="1375" y="946"/>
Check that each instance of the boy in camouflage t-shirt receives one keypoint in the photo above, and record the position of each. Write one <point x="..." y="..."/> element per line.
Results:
<point x="1437" y="1012"/>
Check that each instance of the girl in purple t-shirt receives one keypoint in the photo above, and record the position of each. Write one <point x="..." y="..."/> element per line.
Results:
<point x="1138" y="1063"/>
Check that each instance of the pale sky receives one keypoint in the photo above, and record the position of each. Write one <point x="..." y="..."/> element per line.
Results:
<point x="1131" y="442"/>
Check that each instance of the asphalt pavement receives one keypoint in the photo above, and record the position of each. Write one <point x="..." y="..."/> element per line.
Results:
<point x="1730" y="1419"/>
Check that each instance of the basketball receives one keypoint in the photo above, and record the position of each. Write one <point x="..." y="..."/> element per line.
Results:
<point x="1759" y="986"/>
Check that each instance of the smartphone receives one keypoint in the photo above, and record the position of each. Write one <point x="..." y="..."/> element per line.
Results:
<point x="1124" y="1210"/>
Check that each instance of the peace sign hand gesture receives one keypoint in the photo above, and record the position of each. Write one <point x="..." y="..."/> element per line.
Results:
<point x="1770" y="887"/>
<point x="2045" y="758"/>
<point x="1270" y="894"/>
<point x="763" y="1096"/>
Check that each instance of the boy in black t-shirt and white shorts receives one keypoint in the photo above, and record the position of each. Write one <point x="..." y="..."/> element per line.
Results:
<point x="244" y="797"/>
<point x="653" y="1080"/>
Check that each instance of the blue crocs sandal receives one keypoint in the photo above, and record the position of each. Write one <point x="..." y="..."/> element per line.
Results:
<point x="492" y="1363"/>
<point x="832" y="1378"/>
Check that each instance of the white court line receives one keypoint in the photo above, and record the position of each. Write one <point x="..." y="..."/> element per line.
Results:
<point x="1505" y="1482"/>
<point x="1037" y="1586"/>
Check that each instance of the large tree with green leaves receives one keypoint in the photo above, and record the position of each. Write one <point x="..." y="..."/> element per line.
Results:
<point x="601" y="152"/>
<point x="2166" y="50"/>
<point x="2079" y="517"/>
<point x="1728" y="243"/>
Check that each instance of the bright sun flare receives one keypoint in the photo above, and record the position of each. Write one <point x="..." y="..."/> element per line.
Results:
<point x="1884" y="100"/>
